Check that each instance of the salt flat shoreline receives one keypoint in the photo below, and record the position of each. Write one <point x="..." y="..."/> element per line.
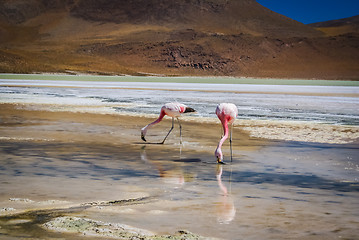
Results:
<point x="332" y="104"/>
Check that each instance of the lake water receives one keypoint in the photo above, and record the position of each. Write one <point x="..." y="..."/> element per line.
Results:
<point x="52" y="161"/>
<point x="279" y="191"/>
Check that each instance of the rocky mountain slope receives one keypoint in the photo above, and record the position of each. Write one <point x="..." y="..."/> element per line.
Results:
<point x="169" y="37"/>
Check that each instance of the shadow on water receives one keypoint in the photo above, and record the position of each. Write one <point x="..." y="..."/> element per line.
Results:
<point x="301" y="181"/>
<point x="49" y="159"/>
<point x="317" y="146"/>
<point x="188" y="160"/>
<point x="67" y="160"/>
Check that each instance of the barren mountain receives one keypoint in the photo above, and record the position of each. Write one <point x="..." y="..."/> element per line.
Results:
<point x="338" y="26"/>
<point x="169" y="37"/>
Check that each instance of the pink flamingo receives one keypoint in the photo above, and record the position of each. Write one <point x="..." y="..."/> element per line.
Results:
<point x="173" y="110"/>
<point x="227" y="113"/>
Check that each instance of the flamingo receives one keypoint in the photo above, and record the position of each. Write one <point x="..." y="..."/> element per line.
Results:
<point x="227" y="113"/>
<point x="174" y="110"/>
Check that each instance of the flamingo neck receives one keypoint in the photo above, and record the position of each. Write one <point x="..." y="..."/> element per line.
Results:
<point x="159" y="119"/>
<point x="225" y="133"/>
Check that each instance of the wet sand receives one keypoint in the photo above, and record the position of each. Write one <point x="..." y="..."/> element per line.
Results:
<point x="285" y="182"/>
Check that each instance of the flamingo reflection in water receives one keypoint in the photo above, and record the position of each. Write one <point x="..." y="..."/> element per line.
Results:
<point x="225" y="208"/>
<point x="173" y="175"/>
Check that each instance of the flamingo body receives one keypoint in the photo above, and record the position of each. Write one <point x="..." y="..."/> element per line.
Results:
<point x="227" y="113"/>
<point x="172" y="109"/>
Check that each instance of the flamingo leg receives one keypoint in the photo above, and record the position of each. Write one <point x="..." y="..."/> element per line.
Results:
<point x="180" y="127"/>
<point x="168" y="131"/>
<point x="230" y="141"/>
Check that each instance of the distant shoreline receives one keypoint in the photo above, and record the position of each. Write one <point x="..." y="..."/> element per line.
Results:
<point x="178" y="79"/>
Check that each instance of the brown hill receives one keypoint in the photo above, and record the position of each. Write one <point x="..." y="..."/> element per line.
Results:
<point x="230" y="17"/>
<point x="338" y="26"/>
<point x="169" y="37"/>
<point x="354" y="21"/>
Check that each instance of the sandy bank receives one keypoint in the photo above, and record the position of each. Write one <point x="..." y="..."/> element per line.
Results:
<point x="89" y="227"/>
<point x="79" y="226"/>
<point x="61" y="124"/>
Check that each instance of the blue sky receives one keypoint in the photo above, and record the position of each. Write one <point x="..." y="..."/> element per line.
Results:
<point x="310" y="11"/>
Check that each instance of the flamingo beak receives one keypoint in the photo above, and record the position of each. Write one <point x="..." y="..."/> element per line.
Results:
<point x="220" y="161"/>
<point x="189" y="109"/>
<point x="143" y="137"/>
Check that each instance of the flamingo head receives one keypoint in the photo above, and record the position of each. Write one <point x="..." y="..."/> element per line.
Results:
<point x="143" y="134"/>
<point x="219" y="155"/>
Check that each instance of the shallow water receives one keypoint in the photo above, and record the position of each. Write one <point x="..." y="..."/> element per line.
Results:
<point x="56" y="161"/>
<point x="282" y="191"/>
<point x="271" y="190"/>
